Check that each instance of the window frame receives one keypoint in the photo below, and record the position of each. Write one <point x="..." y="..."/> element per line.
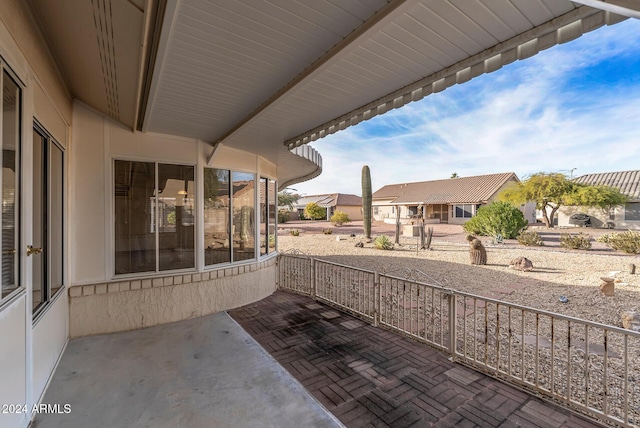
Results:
<point x="461" y="207"/>
<point x="268" y="182"/>
<point x="20" y="287"/>
<point x="112" y="197"/>
<point x="633" y="208"/>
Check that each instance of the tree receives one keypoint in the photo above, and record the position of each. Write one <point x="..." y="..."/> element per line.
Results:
<point x="603" y="197"/>
<point x="554" y="190"/>
<point x="366" y="201"/>
<point x="287" y="199"/>
<point x="454" y="175"/>
<point x="314" y="211"/>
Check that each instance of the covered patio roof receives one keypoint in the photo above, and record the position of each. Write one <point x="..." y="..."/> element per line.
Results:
<point x="269" y="76"/>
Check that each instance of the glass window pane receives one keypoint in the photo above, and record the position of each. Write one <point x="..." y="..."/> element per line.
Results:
<point x="273" y="215"/>
<point x="216" y="216"/>
<point x="459" y="211"/>
<point x="56" y="162"/>
<point x="39" y="290"/>
<point x="135" y="240"/>
<point x="243" y="216"/>
<point x="264" y="201"/>
<point x="176" y="224"/>
<point x="632" y="211"/>
<point x="10" y="212"/>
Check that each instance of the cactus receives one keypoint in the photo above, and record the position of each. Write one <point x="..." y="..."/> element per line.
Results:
<point x="366" y="201"/>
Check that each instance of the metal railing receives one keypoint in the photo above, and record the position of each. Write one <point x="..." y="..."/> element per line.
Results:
<point x="587" y="366"/>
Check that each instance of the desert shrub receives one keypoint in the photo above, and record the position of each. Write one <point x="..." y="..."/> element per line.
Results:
<point x="327" y="231"/>
<point x="313" y="211"/>
<point x="530" y="238"/>
<point x="339" y="218"/>
<point x="579" y="241"/>
<point x="497" y="218"/>
<point x="294" y="232"/>
<point x="383" y="242"/>
<point x="628" y="242"/>
<point x="272" y="241"/>
<point x="283" y="216"/>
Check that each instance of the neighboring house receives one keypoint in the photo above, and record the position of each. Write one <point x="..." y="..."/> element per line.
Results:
<point x="453" y="200"/>
<point x="350" y="204"/>
<point x="621" y="217"/>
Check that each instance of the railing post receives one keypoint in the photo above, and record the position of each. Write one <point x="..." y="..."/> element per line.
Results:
<point x="376" y="298"/>
<point x="314" y="289"/>
<point x="278" y="271"/>
<point x="452" y="325"/>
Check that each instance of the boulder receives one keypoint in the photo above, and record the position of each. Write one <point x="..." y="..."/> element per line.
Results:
<point x="608" y="286"/>
<point x="522" y="264"/>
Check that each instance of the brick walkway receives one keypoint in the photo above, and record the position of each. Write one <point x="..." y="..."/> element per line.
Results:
<point x="368" y="376"/>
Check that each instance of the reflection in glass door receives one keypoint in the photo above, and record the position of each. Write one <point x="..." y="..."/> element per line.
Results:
<point x="46" y="248"/>
<point x="10" y="160"/>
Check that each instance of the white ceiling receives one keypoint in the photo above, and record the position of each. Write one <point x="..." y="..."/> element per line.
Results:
<point x="257" y="74"/>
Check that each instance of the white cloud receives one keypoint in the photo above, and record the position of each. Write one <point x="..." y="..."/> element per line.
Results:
<point x="542" y="114"/>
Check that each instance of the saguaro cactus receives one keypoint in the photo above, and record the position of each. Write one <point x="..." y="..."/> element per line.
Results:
<point x="366" y="201"/>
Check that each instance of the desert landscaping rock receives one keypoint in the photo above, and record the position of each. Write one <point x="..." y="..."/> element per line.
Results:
<point x="558" y="272"/>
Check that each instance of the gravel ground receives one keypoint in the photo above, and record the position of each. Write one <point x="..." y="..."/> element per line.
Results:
<point x="557" y="272"/>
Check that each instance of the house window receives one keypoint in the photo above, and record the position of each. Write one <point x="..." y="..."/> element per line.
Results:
<point x="217" y="216"/>
<point x="632" y="211"/>
<point x="463" y="211"/>
<point x="229" y="216"/>
<point x="154" y="217"/>
<point x="267" y="216"/>
<point x="243" y="202"/>
<point x="375" y="210"/>
<point x="11" y="102"/>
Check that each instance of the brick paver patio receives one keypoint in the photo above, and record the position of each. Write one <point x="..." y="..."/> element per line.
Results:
<point x="371" y="377"/>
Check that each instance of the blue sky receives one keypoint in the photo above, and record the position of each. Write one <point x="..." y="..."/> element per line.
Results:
<point x="575" y="105"/>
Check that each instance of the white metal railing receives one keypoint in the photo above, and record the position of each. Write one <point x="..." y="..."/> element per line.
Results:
<point x="591" y="367"/>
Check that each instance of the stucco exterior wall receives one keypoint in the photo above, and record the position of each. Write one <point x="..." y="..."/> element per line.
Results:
<point x="601" y="217"/>
<point x="139" y="303"/>
<point x="354" y="213"/>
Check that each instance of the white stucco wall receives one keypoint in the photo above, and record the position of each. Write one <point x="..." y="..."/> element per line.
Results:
<point x="138" y="303"/>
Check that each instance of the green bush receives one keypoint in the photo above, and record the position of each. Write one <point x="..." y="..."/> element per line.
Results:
<point x="382" y="242"/>
<point x="628" y="242"/>
<point x="580" y="241"/>
<point x="294" y="232"/>
<point x="283" y="216"/>
<point x="530" y="238"/>
<point x="497" y="218"/>
<point x="314" y="211"/>
<point x="339" y="218"/>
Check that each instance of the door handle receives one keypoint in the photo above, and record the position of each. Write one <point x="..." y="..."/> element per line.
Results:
<point x="33" y="250"/>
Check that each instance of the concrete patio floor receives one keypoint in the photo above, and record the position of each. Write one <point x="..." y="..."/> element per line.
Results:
<point x="204" y="372"/>
<point x="371" y="377"/>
